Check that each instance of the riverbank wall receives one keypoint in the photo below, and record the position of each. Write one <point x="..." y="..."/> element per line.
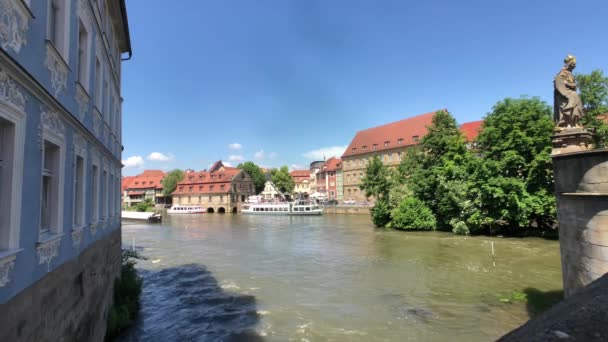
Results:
<point x="581" y="188"/>
<point x="71" y="302"/>
<point x="356" y="210"/>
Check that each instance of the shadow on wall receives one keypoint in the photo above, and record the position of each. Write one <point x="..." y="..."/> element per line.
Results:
<point x="540" y="301"/>
<point x="185" y="303"/>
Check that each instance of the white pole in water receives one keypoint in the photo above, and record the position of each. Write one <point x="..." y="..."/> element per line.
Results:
<point x="493" y="256"/>
<point x="133" y="244"/>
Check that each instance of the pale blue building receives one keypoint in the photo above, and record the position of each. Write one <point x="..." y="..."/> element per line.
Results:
<point x="60" y="152"/>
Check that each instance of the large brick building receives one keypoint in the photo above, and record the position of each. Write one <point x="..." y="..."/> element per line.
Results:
<point x="389" y="142"/>
<point x="220" y="189"/>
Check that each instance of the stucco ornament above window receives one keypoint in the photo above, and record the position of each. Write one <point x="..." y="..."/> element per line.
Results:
<point x="47" y="251"/>
<point x="52" y="122"/>
<point x="10" y="92"/>
<point x="14" y="24"/>
<point x="83" y="101"/>
<point x="97" y="124"/>
<point x="80" y="144"/>
<point x="57" y="67"/>
<point x="6" y="265"/>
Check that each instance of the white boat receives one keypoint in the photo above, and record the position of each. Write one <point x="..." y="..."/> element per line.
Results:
<point x="186" y="209"/>
<point x="282" y="208"/>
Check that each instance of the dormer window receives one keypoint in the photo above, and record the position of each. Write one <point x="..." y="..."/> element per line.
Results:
<point x="181" y="188"/>
<point x="364" y="148"/>
<point x="374" y="147"/>
<point x="354" y="149"/>
<point x="416" y="138"/>
<point x="400" y="141"/>
<point x="386" y="143"/>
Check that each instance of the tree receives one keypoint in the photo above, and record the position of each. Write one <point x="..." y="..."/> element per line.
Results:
<point x="376" y="181"/>
<point x="170" y="181"/>
<point x="512" y="184"/>
<point x="594" y="95"/>
<point x="282" y="179"/>
<point x="381" y="213"/>
<point x="256" y="174"/>
<point x="412" y="214"/>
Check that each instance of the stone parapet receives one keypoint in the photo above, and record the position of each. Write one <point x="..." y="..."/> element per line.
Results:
<point x="71" y="302"/>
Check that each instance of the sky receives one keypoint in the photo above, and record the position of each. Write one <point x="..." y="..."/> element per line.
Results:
<point x="286" y="82"/>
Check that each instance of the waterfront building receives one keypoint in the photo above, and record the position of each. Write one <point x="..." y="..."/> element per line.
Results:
<point x="390" y="142"/>
<point x="60" y="166"/>
<point x="301" y="178"/>
<point x="339" y="184"/>
<point x="270" y="191"/>
<point x="220" y="189"/>
<point x="145" y="186"/>
<point x="327" y="177"/>
<point x="315" y="168"/>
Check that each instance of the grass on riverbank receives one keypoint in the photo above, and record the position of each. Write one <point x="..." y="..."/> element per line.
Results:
<point x="127" y="292"/>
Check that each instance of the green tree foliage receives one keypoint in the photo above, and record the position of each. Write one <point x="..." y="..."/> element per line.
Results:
<point x="594" y="95"/>
<point x="436" y="170"/>
<point x="381" y="213"/>
<point x="256" y="174"/>
<point x="146" y="205"/>
<point x="170" y="181"/>
<point x="282" y="179"/>
<point x="412" y="214"/>
<point x="512" y="183"/>
<point x="376" y="181"/>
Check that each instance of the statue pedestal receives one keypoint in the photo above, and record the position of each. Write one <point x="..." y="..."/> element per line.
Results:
<point x="568" y="140"/>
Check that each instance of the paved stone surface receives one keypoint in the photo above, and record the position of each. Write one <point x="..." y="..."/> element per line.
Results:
<point x="581" y="317"/>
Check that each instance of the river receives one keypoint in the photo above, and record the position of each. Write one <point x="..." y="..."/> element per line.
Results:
<point x="235" y="277"/>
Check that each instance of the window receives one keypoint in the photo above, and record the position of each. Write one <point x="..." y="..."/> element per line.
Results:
<point x="98" y="83"/>
<point x="354" y="149"/>
<point x="222" y="187"/>
<point x="415" y="138"/>
<point x="386" y="143"/>
<point x="374" y="146"/>
<point x="400" y="141"/>
<point x="400" y="156"/>
<point x="49" y="205"/>
<point x="104" y="195"/>
<point x="364" y="148"/>
<point x="390" y="157"/>
<point x="95" y="194"/>
<point x="83" y="56"/>
<point x="78" y="202"/>
<point x="221" y="198"/>
<point x="59" y="26"/>
<point x="106" y="110"/>
<point x="211" y="187"/>
<point x="12" y="132"/>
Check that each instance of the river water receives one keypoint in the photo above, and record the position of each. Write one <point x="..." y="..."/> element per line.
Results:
<point x="331" y="278"/>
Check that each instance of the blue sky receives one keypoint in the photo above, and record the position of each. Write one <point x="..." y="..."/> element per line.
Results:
<point x="283" y="82"/>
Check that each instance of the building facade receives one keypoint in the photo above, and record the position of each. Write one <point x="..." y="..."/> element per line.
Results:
<point x="327" y="179"/>
<point x="147" y="186"/>
<point x="339" y="185"/>
<point x="270" y="191"/>
<point x="315" y="168"/>
<point x="221" y="189"/>
<point x="60" y="165"/>
<point x="390" y="142"/>
<point x="301" y="178"/>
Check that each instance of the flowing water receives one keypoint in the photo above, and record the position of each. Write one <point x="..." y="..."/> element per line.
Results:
<point x="331" y="278"/>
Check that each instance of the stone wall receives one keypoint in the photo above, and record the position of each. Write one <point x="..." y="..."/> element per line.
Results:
<point x="71" y="302"/>
<point x="581" y="186"/>
<point x="347" y="210"/>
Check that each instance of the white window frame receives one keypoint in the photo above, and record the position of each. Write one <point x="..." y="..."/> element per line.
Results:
<point x="80" y="151"/>
<point x="98" y="83"/>
<point x="57" y="225"/>
<point x="63" y="46"/>
<point x="85" y="82"/>
<point x="11" y="208"/>
<point x="95" y="176"/>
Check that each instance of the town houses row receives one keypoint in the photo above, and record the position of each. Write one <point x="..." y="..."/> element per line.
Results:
<point x="223" y="188"/>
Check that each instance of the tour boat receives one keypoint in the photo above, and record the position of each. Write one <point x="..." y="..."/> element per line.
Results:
<point x="186" y="209"/>
<point x="282" y="208"/>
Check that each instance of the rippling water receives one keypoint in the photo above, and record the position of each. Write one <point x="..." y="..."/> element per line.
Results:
<point x="330" y="278"/>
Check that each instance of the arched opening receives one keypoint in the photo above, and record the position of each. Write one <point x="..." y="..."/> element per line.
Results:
<point x="221" y="210"/>
<point x="210" y="210"/>
<point x="234" y="209"/>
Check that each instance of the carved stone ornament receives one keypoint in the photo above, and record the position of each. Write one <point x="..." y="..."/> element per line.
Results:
<point x="84" y="11"/>
<point x="14" y="23"/>
<point x="10" y="92"/>
<point x="93" y="228"/>
<point x="97" y="122"/>
<point x="83" y="101"/>
<point x="58" y="68"/>
<point x="80" y="144"/>
<point x="6" y="265"/>
<point x="47" y="251"/>
<point x="77" y="237"/>
<point x="52" y="122"/>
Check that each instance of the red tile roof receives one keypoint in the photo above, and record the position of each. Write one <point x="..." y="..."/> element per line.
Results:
<point x="149" y="179"/>
<point x="207" y="182"/>
<point x="300" y="173"/>
<point x="390" y="135"/>
<point x="470" y="130"/>
<point x="126" y="181"/>
<point x="332" y="164"/>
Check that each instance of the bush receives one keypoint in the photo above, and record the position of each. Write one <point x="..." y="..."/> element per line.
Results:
<point x="381" y="214"/>
<point x="127" y="290"/>
<point x="413" y="214"/>
<point x="459" y="227"/>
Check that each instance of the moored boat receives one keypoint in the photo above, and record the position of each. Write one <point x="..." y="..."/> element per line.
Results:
<point x="186" y="209"/>
<point x="302" y="208"/>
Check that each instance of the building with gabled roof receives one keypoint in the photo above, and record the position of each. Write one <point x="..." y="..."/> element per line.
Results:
<point x="220" y="189"/>
<point x="144" y="186"/>
<point x="327" y="182"/>
<point x="470" y="130"/>
<point x="301" y="178"/>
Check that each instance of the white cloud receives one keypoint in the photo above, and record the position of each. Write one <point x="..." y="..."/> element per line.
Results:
<point x="327" y="152"/>
<point x="227" y="164"/>
<point x="236" y="158"/>
<point x="259" y="154"/>
<point x="133" y="161"/>
<point x="235" y="146"/>
<point x="272" y="155"/>
<point x="157" y="156"/>
<point x="295" y="167"/>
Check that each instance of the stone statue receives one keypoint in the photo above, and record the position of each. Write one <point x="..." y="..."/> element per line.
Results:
<point x="567" y="107"/>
